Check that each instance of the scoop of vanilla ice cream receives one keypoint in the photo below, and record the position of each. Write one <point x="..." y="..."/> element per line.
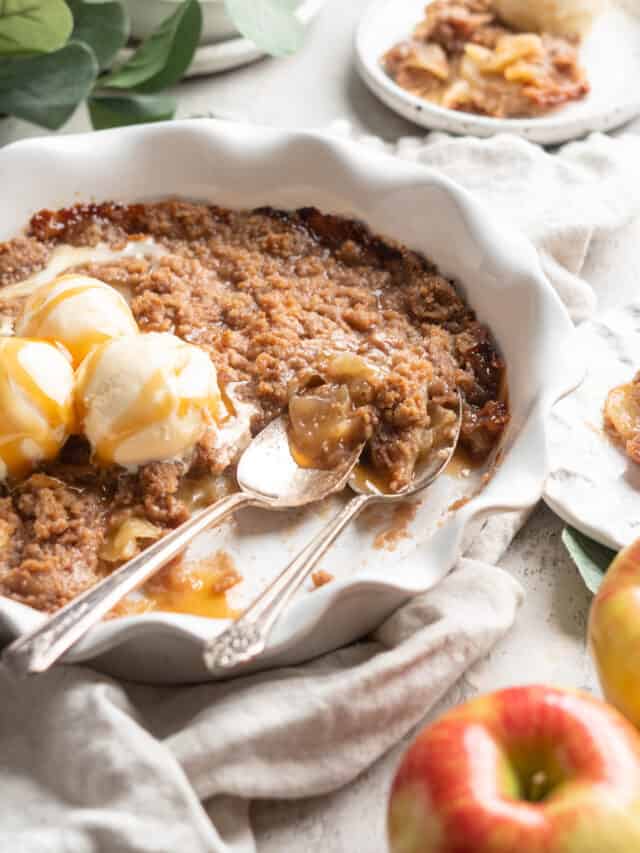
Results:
<point x="146" y="398"/>
<point x="79" y="312"/>
<point x="36" y="404"/>
<point x="560" y="17"/>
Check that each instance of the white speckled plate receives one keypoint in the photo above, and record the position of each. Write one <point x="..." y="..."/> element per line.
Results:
<point x="592" y="484"/>
<point x="611" y="54"/>
<point x="497" y="268"/>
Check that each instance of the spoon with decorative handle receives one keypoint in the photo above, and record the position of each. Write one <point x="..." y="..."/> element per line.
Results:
<point x="247" y="637"/>
<point x="268" y="477"/>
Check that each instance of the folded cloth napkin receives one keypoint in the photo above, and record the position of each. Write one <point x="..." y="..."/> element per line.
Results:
<point x="88" y="764"/>
<point x="91" y="764"/>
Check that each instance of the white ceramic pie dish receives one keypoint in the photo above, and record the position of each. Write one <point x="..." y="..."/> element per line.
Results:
<point x="497" y="269"/>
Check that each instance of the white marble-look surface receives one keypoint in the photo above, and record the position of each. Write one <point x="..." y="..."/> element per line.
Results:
<point x="547" y="643"/>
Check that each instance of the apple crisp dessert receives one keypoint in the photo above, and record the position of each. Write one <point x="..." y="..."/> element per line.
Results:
<point x="179" y="330"/>
<point x="462" y="56"/>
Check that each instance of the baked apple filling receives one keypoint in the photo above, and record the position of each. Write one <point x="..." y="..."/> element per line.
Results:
<point x="325" y="426"/>
<point x="332" y="416"/>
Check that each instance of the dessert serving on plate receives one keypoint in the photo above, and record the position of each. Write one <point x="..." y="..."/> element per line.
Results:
<point x="549" y="71"/>
<point x="144" y="344"/>
<point x="494" y="58"/>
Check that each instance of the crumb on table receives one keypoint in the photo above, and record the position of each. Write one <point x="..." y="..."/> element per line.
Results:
<point x="320" y="578"/>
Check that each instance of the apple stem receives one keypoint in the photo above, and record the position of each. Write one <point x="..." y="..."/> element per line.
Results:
<point x="538" y="786"/>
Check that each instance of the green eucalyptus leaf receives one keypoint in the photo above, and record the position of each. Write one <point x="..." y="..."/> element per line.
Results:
<point x="33" y="26"/>
<point x="164" y="56"/>
<point x="45" y="89"/>
<point x="103" y="26"/>
<point x="271" y="24"/>
<point x="591" y="558"/>
<point x="117" y="110"/>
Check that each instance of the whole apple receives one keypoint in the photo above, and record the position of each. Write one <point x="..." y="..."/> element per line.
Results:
<point x="614" y="632"/>
<point x="525" y="770"/>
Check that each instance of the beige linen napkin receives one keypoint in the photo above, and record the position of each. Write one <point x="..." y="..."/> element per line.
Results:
<point x="87" y="764"/>
<point x="90" y="765"/>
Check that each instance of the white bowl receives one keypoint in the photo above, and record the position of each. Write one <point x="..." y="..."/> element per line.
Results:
<point x="146" y="15"/>
<point x="496" y="267"/>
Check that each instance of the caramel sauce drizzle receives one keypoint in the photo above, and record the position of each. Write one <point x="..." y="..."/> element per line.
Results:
<point x="368" y="478"/>
<point x="198" y="589"/>
<point x="54" y="414"/>
<point x="155" y="403"/>
<point x="193" y="595"/>
<point x="44" y="305"/>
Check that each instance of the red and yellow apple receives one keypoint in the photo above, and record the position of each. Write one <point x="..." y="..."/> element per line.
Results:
<point x="524" y="770"/>
<point x="614" y="632"/>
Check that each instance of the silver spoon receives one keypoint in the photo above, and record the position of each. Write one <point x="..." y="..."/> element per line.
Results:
<point x="247" y="637"/>
<point x="267" y="476"/>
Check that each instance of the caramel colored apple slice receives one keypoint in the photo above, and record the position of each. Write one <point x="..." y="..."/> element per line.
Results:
<point x="622" y="416"/>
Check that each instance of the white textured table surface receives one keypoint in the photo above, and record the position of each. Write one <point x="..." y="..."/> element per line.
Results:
<point x="548" y="641"/>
